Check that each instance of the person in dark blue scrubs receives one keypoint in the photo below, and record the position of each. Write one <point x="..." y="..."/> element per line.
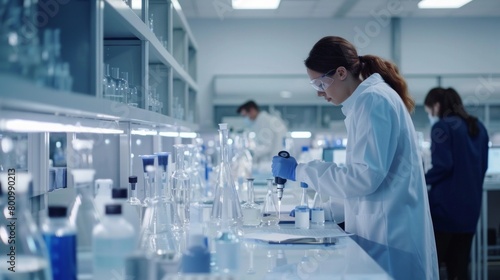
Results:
<point x="459" y="151"/>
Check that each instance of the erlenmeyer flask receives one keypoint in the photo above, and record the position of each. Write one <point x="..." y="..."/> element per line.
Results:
<point x="30" y="258"/>
<point x="226" y="209"/>
<point x="83" y="215"/>
<point x="270" y="212"/>
<point x="181" y="184"/>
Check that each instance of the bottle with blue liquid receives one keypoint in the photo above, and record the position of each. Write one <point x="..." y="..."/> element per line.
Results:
<point x="60" y="237"/>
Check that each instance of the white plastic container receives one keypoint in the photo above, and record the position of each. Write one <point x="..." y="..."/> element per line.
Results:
<point x="113" y="241"/>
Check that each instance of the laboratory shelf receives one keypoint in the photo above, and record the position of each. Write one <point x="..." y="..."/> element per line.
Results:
<point x="122" y="22"/>
<point x="21" y="95"/>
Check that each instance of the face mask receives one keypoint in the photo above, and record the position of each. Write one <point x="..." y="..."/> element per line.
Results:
<point x="248" y="121"/>
<point x="433" y="119"/>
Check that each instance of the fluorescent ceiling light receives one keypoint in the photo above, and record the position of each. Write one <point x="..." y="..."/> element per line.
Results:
<point x="176" y="134"/>
<point x="300" y="134"/>
<point x="256" y="4"/>
<point x="144" y="132"/>
<point x="16" y="125"/>
<point x="442" y="4"/>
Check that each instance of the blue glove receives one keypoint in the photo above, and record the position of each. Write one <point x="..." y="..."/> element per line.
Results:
<point x="284" y="167"/>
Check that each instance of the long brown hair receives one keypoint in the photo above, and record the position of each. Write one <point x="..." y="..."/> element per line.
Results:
<point x="450" y="104"/>
<point x="332" y="52"/>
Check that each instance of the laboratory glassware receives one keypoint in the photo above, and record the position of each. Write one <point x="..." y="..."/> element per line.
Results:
<point x="120" y="85"/>
<point x="133" y="199"/>
<point x="303" y="198"/>
<point x="166" y="196"/>
<point x="241" y="164"/>
<point x="125" y="86"/>
<point x="251" y="210"/>
<point x="83" y="213"/>
<point x="133" y="97"/>
<point x="196" y="178"/>
<point x="110" y="84"/>
<point x="270" y="214"/>
<point x="226" y="209"/>
<point x="113" y="240"/>
<point x="317" y="211"/>
<point x="181" y="184"/>
<point x="102" y="190"/>
<point x="302" y="217"/>
<point x="148" y="164"/>
<point x="60" y="238"/>
<point x="30" y="256"/>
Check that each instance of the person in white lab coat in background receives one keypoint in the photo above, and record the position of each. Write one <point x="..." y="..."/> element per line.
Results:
<point x="270" y="132"/>
<point x="382" y="183"/>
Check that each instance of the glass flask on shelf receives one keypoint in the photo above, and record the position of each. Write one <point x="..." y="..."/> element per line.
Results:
<point x="31" y="257"/>
<point x="83" y="214"/>
<point x="251" y="210"/>
<point x="119" y="90"/>
<point x="226" y="207"/>
<point x="125" y="88"/>
<point x="270" y="214"/>
<point x="110" y="84"/>
<point x="181" y="184"/>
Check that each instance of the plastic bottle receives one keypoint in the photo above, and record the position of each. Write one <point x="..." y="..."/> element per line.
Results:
<point x="102" y="189"/>
<point x="196" y="259"/>
<point x="113" y="240"/>
<point x="31" y="255"/>
<point x="60" y="238"/>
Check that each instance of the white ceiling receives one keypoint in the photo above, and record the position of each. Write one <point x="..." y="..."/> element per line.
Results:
<point x="220" y="9"/>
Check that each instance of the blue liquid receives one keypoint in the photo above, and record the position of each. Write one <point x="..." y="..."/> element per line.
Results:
<point x="62" y="251"/>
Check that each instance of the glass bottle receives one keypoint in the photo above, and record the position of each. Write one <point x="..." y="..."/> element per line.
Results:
<point x="317" y="211"/>
<point x="133" y="199"/>
<point x="83" y="215"/>
<point x="60" y="238"/>
<point x="226" y="207"/>
<point x="270" y="215"/>
<point x="115" y="74"/>
<point x="30" y="255"/>
<point x="110" y="84"/>
<point x="181" y="184"/>
<point x="250" y="210"/>
<point x="125" y="86"/>
<point x="148" y="165"/>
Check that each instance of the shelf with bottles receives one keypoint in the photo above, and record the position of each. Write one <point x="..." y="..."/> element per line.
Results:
<point x="191" y="106"/>
<point x="179" y="97"/>
<point x="159" y="84"/>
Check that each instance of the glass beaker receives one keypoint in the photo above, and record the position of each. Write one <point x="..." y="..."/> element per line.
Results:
<point x="29" y="258"/>
<point x="226" y="208"/>
<point x="110" y="84"/>
<point x="181" y="184"/>
<point x="250" y="210"/>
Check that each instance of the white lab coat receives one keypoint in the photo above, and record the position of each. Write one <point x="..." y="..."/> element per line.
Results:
<point x="383" y="184"/>
<point x="269" y="133"/>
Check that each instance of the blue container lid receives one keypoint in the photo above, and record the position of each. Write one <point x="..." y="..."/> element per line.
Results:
<point x="305" y="148"/>
<point x="148" y="160"/>
<point x="303" y="185"/>
<point x="163" y="159"/>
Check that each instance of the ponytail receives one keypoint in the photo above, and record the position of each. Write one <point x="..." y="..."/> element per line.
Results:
<point x="371" y="64"/>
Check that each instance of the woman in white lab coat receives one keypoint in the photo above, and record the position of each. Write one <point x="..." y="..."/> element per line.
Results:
<point x="382" y="183"/>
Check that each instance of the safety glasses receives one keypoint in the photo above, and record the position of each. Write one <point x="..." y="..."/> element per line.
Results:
<point x="323" y="82"/>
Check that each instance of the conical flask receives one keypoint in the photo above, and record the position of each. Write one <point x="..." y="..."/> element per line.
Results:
<point x="251" y="210"/>
<point x="270" y="215"/>
<point x="226" y="209"/>
<point x="28" y="258"/>
<point x="181" y="184"/>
